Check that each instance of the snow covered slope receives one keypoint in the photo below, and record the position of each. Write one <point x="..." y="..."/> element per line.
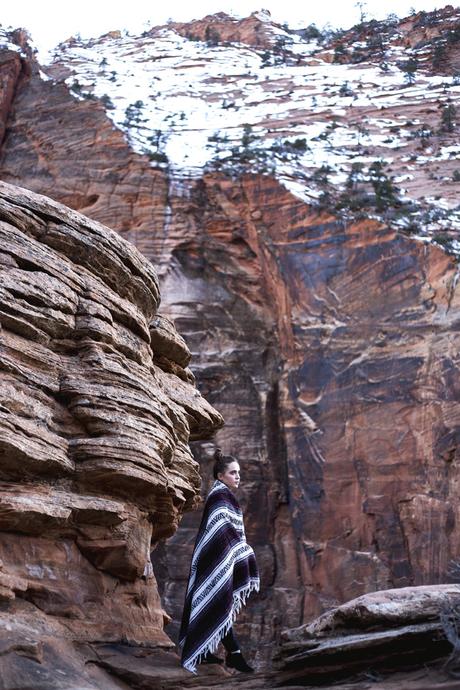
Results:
<point x="334" y="130"/>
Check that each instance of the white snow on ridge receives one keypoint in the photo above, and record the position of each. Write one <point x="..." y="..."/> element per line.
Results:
<point x="192" y="105"/>
<point x="5" y="42"/>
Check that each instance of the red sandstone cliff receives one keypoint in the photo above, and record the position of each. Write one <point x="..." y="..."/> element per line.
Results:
<point x="215" y="28"/>
<point x="95" y="422"/>
<point x="329" y="344"/>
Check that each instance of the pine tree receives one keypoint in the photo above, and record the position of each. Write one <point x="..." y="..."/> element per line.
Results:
<point x="448" y="117"/>
<point x="384" y="189"/>
<point x="211" y="36"/>
<point x="355" y="175"/>
<point x="409" y="69"/>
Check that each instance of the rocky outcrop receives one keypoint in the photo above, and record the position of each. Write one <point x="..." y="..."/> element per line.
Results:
<point x="11" y="66"/>
<point x="438" y="33"/>
<point x="254" y="31"/>
<point x="377" y="633"/>
<point x="434" y="34"/>
<point x="96" y="416"/>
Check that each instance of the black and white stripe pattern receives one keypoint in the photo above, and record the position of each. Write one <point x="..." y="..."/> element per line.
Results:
<point x="223" y="573"/>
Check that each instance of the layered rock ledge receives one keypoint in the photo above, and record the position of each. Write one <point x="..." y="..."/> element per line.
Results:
<point x="399" y="639"/>
<point x="97" y="410"/>
<point x="385" y="632"/>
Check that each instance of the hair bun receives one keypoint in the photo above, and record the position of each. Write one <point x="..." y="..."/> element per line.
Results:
<point x="218" y="454"/>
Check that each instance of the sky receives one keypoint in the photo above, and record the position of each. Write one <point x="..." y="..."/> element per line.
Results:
<point x="50" y="22"/>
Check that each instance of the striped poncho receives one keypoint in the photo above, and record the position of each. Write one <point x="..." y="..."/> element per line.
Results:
<point x="222" y="575"/>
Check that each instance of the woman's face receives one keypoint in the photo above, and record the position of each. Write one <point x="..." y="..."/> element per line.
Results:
<point x="231" y="475"/>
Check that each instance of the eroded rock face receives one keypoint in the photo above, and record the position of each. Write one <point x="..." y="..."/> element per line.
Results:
<point x="95" y="421"/>
<point x="10" y="68"/>
<point x="14" y="47"/>
<point x="335" y="349"/>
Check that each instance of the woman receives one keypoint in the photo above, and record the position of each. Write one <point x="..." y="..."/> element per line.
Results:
<point x="222" y="575"/>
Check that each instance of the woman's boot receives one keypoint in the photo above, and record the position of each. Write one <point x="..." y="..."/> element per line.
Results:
<point x="236" y="660"/>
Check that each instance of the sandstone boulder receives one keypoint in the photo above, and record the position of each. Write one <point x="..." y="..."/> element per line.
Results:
<point x="383" y="632"/>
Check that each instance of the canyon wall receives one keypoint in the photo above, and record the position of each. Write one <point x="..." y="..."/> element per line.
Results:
<point x="331" y="350"/>
<point x="329" y="347"/>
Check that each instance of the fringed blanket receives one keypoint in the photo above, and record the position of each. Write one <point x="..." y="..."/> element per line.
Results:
<point x="222" y="575"/>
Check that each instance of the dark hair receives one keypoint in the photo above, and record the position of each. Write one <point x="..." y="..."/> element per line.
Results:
<point x="221" y="462"/>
